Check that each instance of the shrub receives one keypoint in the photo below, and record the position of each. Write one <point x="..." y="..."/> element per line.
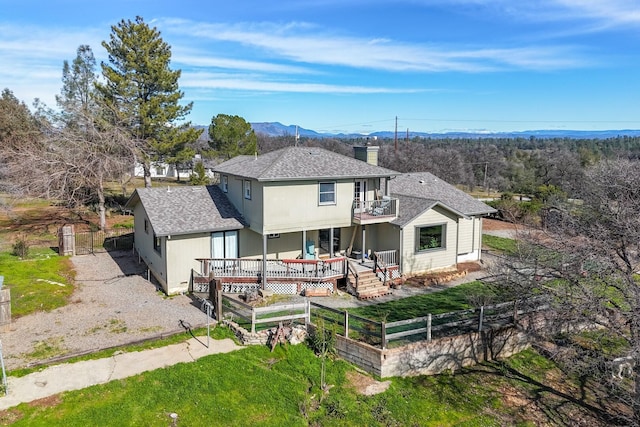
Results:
<point x="21" y="248"/>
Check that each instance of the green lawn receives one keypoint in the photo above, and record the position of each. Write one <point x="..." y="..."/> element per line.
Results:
<point x="501" y="244"/>
<point x="255" y="387"/>
<point x="444" y="301"/>
<point x="43" y="281"/>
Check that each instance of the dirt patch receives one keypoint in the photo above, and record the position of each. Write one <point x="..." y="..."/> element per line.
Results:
<point x="431" y="279"/>
<point x="494" y="225"/>
<point x="365" y="385"/>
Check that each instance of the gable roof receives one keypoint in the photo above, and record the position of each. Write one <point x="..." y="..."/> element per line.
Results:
<point x="419" y="191"/>
<point x="187" y="210"/>
<point x="301" y="163"/>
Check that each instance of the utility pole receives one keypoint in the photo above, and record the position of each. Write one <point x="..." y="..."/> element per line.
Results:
<point x="486" y="166"/>
<point x="395" y="139"/>
<point x="407" y="139"/>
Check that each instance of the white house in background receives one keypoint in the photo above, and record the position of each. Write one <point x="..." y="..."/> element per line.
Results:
<point x="309" y="216"/>
<point x="182" y="171"/>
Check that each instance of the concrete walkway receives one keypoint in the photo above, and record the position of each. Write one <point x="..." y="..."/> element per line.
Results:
<point x="74" y="376"/>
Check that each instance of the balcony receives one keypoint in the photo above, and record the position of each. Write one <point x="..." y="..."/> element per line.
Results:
<point x="375" y="211"/>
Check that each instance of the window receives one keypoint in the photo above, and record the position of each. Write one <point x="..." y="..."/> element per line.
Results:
<point x="225" y="183"/>
<point x="428" y="238"/>
<point x="146" y="225"/>
<point x="327" y="194"/>
<point x="247" y="189"/>
<point x="157" y="243"/>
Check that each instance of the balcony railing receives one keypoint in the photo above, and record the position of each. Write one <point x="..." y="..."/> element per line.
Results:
<point x="371" y="211"/>
<point x="275" y="268"/>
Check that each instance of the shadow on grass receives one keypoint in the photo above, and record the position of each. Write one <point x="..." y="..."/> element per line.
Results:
<point x="552" y="401"/>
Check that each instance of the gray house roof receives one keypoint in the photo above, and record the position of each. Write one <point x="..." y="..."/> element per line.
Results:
<point x="301" y="163"/>
<point x="187" y="210"/>
<point x="419" y="191"/>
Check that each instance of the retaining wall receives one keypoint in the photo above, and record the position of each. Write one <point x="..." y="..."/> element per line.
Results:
<point x="436" y="356"/>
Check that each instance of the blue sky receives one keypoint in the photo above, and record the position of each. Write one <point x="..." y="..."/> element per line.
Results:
<point x="353" y="66"/>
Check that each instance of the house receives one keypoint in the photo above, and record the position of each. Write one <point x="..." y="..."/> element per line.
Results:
<point x="305" y="217"/>
<point x="162" y="169"/>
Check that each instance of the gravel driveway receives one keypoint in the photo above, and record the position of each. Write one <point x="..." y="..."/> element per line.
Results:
<point x="113" y="304"/>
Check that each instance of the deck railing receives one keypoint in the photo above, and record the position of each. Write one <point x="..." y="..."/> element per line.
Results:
<point x="275" y="268"/>
<point x="374" y="209"/>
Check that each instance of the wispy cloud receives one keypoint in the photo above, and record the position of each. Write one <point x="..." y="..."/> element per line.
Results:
<point x="255" y="83"/>
<point x="302" y="43"/>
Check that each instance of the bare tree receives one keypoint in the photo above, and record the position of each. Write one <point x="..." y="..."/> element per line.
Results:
<point x="587" y="261"/>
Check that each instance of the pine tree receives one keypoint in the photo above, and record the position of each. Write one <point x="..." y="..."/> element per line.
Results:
<point x="232" y="136"/>
<point x="142" y="93"/>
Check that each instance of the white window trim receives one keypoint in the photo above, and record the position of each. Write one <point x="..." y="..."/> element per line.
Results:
<point x="335" y="190"/>
<point x="225" y="183"/>
<point x="246" y="185"/>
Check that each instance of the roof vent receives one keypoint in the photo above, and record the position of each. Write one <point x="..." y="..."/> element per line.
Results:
<point x="421" y="181"/>
<point x="168" y="189"/>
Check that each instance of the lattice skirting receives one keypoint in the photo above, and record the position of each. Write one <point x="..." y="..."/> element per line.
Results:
<point x="282" y="288"/>
<point x="240" y="288"/>
<point x="391" y="275"/>
<point x="201" y="287"/>
<point x="285" y="288"/>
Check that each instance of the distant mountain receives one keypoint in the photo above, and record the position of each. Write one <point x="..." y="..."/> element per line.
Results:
<point x="278" y="129"/>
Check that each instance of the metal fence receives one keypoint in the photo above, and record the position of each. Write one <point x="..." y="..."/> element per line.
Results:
<point x="89" y="242"/>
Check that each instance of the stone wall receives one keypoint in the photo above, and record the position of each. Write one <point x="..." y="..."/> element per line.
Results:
<point x="436" y="356"/>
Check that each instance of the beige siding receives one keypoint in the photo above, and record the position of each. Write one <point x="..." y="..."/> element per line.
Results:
<point x="466" y="235"/>
<point x="287" y="246"/>
<point x="294" y="206"/>
<point x="471" y="235"/>
<point x="182" y="252"/>
<point x="414" y="262"/>
<point x="144" y="246"/>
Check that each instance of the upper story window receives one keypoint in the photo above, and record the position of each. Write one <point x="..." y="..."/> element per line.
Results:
<point x="225" y="183"/>
<point x="431" y="237"/>
<point x="247" y="189"/>
<point x="327" y="195"/>
<point x="157" y="243"/>
<point x="146" y="225"/>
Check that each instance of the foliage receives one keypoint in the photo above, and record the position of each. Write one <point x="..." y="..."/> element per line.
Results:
<point x="255" y="387"/>
<point x="587" y="260"/>
<point x="232" y="136"/>
<point x="142" y="95"/>
<point x="21" y="248"/>
<point x="40" y="283"/>
<point x="199" y="175"/>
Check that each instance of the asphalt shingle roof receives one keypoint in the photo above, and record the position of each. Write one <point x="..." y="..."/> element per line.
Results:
<point x="187" y="210"/>
<point x="419" y="191"/>
<point x="301" y="163"/>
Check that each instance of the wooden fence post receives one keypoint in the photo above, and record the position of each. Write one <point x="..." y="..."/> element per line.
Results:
<point x="5" y="310"/>
<point x="429" y="327"/>
<point x="383" y="334"/>
<point x="253" y="321"/>
<point x="346" y="324"/>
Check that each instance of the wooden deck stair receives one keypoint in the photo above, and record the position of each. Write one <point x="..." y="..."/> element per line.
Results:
<point x="369" y="285"/>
